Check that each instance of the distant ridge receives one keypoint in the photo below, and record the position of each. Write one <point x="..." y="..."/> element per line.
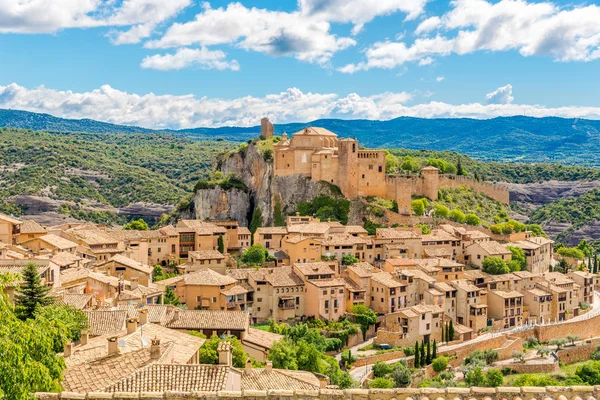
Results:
<point x="512" y="139"/>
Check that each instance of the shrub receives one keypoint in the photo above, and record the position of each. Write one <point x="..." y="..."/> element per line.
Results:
<point x="472" y="219"/>
<point x="571" y="252"/>
<point x="381" y="383"/>
<point x="440" y="363"/>
<point x="381" y="369"/>
<point x="494" y="266"/>
<point x="457" y="216"/>
<point x="440" y="211"/>
<point x="589" y="373"/>
<point x="494" y="378"/>
<point x="402" y="375"/>
<point x="418" y="207"/>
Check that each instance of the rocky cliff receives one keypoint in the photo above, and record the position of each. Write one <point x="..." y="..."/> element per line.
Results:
<point x="265" y="192"/>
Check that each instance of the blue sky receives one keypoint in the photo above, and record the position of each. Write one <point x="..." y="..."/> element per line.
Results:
<point x="183" y="63"/>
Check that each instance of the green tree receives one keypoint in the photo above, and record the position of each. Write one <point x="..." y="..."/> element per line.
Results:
<point x="67" y="322"/>
<point x="254" y="255"/>
<point x="170" y="297"/>
<point x="518" y="255"/>
<point x="283" y="355"/>
<point x="136" y="225"/>
<point x="558" y="342"/>
<point x="381" y="369"/>
<point x="494" y="266"/>
<point x="256" y="221"/>
<point x="457" y="216"/>
<point x="349" y="259"/>
<point x="364" y="316"/>
<point x="562" y="266"/>
<point x="402" y="375"/>
<point x="494" y="378"/>
<point x="220" y="244"/>
<point x="409" y="164"/>
<point x="459" y="168"/>
<point x="32" y="293"/>
<point x="209" y="355"/>
<point x="572" y="338"/>
<point x="440" y="211"/>
<point x="423" y="356"/>
<point x="417" y="207"/>
<point x="417" y="360"/>
<point x="428" y="354"/>
<point x="278" y="217"/>
<point x="571" y="252"/>
<point x="440" y="363"/>
<point x="434" y="349"/>
<point x="381" y="383"/>
<point x="391" y="163"/>
<point x="472" y="219"/>
<point x="475" y="377"/>
<point x="451" y="331"/>
<point x="589" y="373"/>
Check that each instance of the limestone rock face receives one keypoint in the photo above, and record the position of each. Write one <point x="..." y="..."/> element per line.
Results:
<point x="264" y="190"/>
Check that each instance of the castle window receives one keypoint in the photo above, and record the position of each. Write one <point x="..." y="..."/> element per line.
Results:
<point x="354" y="147"/>
<point x="380" y="168"/>
<point x="363" y="176"/>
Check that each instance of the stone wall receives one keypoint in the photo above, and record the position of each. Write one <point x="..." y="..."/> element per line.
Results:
<point x="582" y="352"/>
<point x="586" y="328"/>
<point x="501" y="393"/>
<point x="533" y="368"/>
<point x="392" y="355"/>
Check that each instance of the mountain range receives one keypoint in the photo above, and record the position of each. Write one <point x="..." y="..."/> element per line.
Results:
<point x="506" y="139"/>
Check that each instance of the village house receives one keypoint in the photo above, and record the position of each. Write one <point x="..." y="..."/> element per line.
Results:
<point x="301" y="249"/>
<point x="50" y="243"/>
<point x="203" y="259"/>
<point x="126" y="268"/>
<point x="395" y="242"/>
<point x="360" y="274"/>
<point x="537" y="302"/>
<point x="440" y="243"/>
<point x="10" y="229"/>
<point x="471" y="310"/>
<point x="587" y="282"/>
<point x="30" y="229"/>
<point x="538" y="253"/>
<point x="204" y="289"/>
<point x="505" y="307"/>
<point x="270" y="237"/>
<point x="387" y="294"/>
<point x="197" y="235"/>
<point x="479" y="251"/>
<point x="420" y="323"/>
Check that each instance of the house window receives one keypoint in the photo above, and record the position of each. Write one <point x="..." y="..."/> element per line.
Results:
<point x="324" y="292"/>
<point x="214" y="299"/>
<point x="198" y="299"/>
<point x="326" y="304"/>
<point x="380" y="168"/>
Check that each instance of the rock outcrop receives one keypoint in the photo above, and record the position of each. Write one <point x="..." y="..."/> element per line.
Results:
<point x="265" y="192"/>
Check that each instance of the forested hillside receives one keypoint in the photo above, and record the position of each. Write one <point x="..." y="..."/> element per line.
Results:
<point x="115" y="170"/>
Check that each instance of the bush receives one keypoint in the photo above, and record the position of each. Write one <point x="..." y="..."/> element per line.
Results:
<point x="402" y="375"/>
<point x="494" y="378"/>
<point x="472" y="219"/>
<point x="381" y="383"/>
<point x="440" y="363"/>
<point x="440" y="211"/>
<point x="494" y="266"/>
<point x="589" y="373"/>
<point x="571" y="252"/>
<point x="381" y="369"/>
<point x="418" y="207"/>
<point x="456" y="216"/>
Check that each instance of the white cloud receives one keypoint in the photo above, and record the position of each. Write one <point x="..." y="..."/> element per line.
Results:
<point x="533" y="29"/>
<point x="273" y="32"/>
<point x="428" y="25"/>
<point x="502" y="95"/>
<point x="167" y="111"/>
<point x="359" y="12"/>
<point x="44" y="16"/>
<point x="439" y="79"/>
<point x="184" y="57"/>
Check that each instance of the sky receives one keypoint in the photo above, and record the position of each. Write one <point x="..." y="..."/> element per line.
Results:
<point x="188" y="63"/>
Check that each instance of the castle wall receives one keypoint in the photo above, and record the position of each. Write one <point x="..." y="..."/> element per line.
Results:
<point x="371" y="173"/>
<point x="494" y="191"/>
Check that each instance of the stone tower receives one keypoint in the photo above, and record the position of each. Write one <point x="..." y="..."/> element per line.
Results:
<point x="431" y="182"/>
<point x="348" y="167"/>
<point x="266" y="128"/>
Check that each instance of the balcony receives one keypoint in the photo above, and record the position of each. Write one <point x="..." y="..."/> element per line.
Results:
<point x="286" y="306"/>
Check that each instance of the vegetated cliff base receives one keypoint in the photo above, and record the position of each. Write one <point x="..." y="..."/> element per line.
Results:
<point x="269" y="196"/>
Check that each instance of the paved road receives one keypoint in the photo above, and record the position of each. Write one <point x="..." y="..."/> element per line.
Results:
<point x="360" y="373"/>
<point x="354" y="349"/>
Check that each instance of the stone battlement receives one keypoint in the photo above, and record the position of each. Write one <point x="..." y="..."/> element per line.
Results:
<point x="474" y="393"/>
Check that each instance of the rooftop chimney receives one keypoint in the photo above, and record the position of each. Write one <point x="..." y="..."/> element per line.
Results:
<point x="131" y="325"/>
<point x="85" y="336"/>
<point x="68" y="350"/>
<point x="225" y="356"/>
<point x="155" y="348"/>
<point x="133" y="283"/>
<point x="143" y="316"/>
<point x="269" y="366"/>
<point x="248" y="368"/>
<point x="176" y="314"/>
<point x="323" y="380"/>
<point x="113" y="346"/>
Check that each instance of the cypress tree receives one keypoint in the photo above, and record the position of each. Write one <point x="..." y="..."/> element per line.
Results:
<point x="595" y="263"/>
<point x="417" y="354"/>
<point x="443" y="337"/>
<point x="451" y="331"/>
<point x="434" y="350"/>
<point x="32" y="293"/>
<point x="447" y="333"/>
<point x="459" y="168"/>
<point x="423" y="360"/>
<point x="220" y="244"/>
<point x="428" y="357"/>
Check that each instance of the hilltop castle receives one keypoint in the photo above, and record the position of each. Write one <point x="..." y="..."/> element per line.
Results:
<point x="319" y="154"/>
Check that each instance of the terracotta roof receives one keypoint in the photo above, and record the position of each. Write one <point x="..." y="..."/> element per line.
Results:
<point x="315" y="268"/>
<point x="345" y="239"/>
<point x="557" y="278"/>
<point x="18" y="266"/>
<point x="207" y="277"/>
<point x="465" y="285"/>
<point x="540" y="240"/>
<point x="241" y="274"/>
<point x="507" y="294"/>
<point x="92" y="235"/>
<point x="157" y="313"/>
<point x="174" y="377"/>
<point x="31" y="226"/>
<point x="272" y="230"/>
<point x="107" y="370"/>
<point x="355" y="229"/>
<point x="204" y="319"/>
<point x="56" y="241"/>
<point x="438" y="235"/>
<point x="316" y="131"/>
<point x="262" y="338"/>
<point x="437" y="252"/>
<point x="73" y="274"/>
<point x="242" y="230"/>
<point x="391" y="233"/>
<point x="102" y="322"/>
<point x="386" y="279"/>
<point x="538" y="292"/>
<point x="492" y="247"/>
<point x="312" y="228"/>
<point x="206" y="255"/>
<point x="77" y="300"/>
<point x="169" y="230"/>
<point x="283" y="276"/>
<point x="328" y="282"/>
<point x="65" y="259"/>
<point x="263" y="379"/>
<point x="477" y="234"/>
<point x="363" y="269"/>
<point x="234" y="291"/>
<point x="130" y="263"/>
<point x="200" y="227"/>
<point x="10" y="219"/>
